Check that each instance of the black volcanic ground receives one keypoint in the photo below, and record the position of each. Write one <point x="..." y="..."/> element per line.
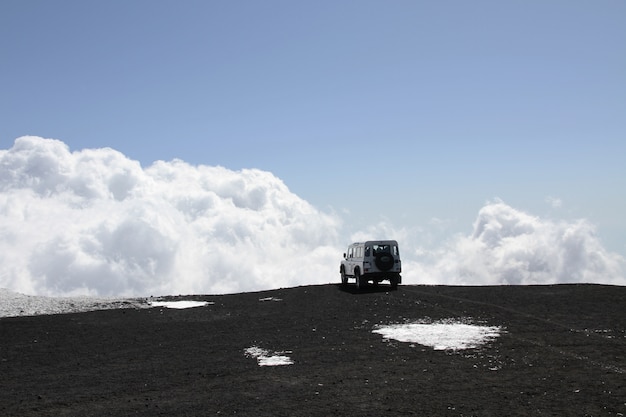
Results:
<point x="563" y="353"/>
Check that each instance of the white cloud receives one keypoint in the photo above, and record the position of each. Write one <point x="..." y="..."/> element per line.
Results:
<point x="554" y="202"/>
<point x="94" y="222"/>
<point x="508" y="246"/>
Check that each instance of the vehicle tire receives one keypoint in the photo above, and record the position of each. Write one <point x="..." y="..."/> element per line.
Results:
<point x="394" y="282"/>
<point x="358" y="279"/>
<point x="384" y="261"/>
<point x="344" y="278"/>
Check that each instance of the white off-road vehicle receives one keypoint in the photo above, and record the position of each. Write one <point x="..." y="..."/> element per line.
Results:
<point x="374" y="260"/>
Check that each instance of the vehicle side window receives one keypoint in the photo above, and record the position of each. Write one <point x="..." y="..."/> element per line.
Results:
<point x="359" y="252"/>
<point x="350" y="252"/>
<point x="367" y="251"/>
<point x="395" y="251"/>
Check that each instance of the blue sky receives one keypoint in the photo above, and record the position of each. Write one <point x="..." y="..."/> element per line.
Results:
<point x="401" y="111"/>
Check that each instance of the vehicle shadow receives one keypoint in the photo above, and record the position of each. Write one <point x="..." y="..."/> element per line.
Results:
<point x="368" y="289"/>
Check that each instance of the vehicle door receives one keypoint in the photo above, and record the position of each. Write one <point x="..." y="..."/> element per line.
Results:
<point x="357" y="260"/>
<point x="350" y="261"/>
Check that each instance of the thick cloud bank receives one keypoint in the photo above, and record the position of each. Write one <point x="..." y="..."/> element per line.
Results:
<point x="95" y="222"/>
<point x="508" y="246"/>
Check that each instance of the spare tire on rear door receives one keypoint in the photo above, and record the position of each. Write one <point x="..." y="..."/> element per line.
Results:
<point x="384" y="261"/>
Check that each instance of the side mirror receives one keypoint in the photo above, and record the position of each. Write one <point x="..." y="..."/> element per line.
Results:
<point x="344" y="256"/>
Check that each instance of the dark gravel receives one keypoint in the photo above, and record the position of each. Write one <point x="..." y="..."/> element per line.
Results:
<point x="563" y="353"/>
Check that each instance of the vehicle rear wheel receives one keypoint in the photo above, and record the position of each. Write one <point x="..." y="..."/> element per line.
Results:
<point x="359" y="281"/>
<point x="394" y="282"/>
<point x="344" y="278"/>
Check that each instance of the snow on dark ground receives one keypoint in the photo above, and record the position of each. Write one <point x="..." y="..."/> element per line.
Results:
<point x="320" y="350"/>
<point x="15" y="304"/>
<point x="452" y="334"/>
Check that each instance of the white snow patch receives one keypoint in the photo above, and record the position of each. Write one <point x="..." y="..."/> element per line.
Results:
<point x="270" y="299"/>
<point x="442" y="335"/>
<point x="180" y="304"/>
<point x="265" y="358"/>
<point x="13" y="304"/>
